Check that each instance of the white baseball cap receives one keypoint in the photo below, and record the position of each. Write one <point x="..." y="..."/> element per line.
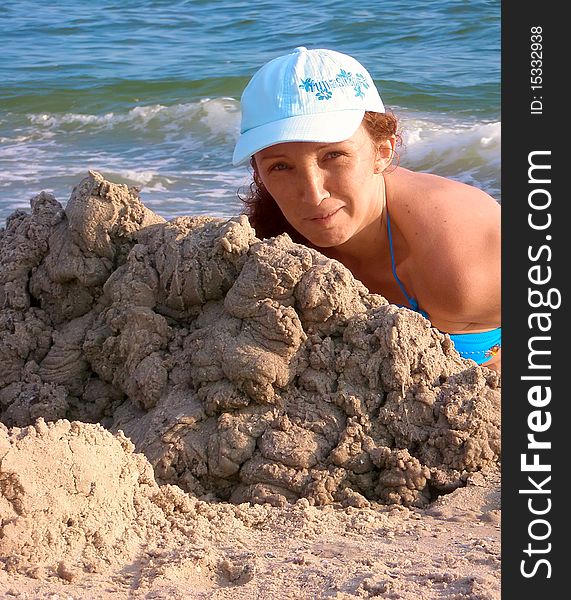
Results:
<point x="315" y="95"/>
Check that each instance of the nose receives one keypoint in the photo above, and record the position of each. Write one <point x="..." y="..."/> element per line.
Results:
<point x="313" y="188"/>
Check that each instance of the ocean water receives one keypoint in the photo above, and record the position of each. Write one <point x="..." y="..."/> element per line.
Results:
<point x="147" y="92"/>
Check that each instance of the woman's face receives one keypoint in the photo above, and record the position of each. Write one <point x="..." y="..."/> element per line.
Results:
<point x="328" y="192"/>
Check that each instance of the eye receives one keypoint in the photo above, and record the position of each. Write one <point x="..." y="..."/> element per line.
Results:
<point x="280" y="166"/>
<point x="334" y="154"/>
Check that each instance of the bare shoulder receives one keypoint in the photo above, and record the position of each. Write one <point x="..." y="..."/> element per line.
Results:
<point x="425" y="196"/>
<point x="432" y="211"/>
<point x="452" y="231"/>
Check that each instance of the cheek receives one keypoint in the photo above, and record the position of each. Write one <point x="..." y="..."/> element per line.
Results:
<point x="351" y="184"/>
<point x="284" y="196"/>
<point x="283" y="203"/>
<point x="289" y="209"/>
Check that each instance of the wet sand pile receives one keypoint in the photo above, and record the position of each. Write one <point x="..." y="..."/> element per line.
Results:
<point x="243" y="370"/>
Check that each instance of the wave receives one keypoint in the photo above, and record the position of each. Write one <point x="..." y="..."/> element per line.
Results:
<point x="185" y="149"/>
<point x="467" y="151"/>
<point x="428" y="138"/>
<point x="217" y="115"/>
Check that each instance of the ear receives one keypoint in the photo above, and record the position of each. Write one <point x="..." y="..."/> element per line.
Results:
<point x="385" y="154"/>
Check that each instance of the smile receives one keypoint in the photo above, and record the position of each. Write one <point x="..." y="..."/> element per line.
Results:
<point x="326" y="217"/>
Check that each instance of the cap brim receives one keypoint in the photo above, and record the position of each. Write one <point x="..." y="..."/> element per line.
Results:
<point x="334" y="126"/>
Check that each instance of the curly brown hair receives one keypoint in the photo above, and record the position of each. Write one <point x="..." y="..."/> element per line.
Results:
<point x="261" y="209"/>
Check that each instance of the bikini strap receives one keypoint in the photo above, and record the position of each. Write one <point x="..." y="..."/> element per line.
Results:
<point x="412" y="301"/>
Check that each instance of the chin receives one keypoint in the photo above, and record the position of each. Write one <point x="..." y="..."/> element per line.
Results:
<point x="326" y="241"/>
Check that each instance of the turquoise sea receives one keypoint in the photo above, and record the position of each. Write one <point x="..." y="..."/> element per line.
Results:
<point x="147" y="91"/>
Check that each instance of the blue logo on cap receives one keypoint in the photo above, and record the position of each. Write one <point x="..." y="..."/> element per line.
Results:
<point x="323" y="89"/>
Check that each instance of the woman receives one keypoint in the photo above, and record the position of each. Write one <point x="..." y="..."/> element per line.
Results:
<point x="321" y="146"/>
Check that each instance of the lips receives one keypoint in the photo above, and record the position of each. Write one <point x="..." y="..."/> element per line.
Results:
<point x="325" y="216"/>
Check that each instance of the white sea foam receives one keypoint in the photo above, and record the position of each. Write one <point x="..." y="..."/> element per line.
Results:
<point x="181" y="152"/>
<point x="466" y="151"/>
<point x="220" y="115"/>
<point x="424" y="135"/>
<point x="425" y="138"/>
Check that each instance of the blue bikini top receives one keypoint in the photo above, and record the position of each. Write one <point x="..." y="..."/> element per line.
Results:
<point x="480" y="346"/>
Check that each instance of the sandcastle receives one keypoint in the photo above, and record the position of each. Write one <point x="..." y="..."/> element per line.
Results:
<point x="236" y="369"/>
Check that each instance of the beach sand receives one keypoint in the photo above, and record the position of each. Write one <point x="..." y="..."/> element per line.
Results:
<point x="190" y="412"/>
